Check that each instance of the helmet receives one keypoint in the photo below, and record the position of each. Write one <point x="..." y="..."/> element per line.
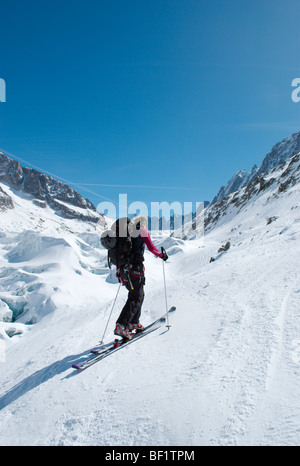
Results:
<point x="140" y="222"/>
<point x="108" y="241"/>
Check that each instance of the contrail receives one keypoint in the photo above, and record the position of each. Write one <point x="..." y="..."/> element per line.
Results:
<point x="134" y="186"/>
<point x="83" y="186"/>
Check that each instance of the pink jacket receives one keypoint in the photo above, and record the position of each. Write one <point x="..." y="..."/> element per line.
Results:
<point x="146" y="238"/>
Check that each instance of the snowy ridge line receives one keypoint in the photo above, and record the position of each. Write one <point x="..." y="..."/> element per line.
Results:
<point x="279" y="154"/>
<point x="55" y="177"/>
<point x="46" y="191"/>
<point x="275" y="182"/>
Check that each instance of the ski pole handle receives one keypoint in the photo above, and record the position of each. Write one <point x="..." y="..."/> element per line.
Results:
<point x="164" y="254"/>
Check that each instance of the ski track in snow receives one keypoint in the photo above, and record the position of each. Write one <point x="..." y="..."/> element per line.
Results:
<point x="226" y="373"/>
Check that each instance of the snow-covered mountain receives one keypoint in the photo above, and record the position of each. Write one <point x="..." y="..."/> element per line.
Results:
<point x="281" y="152"/>
<point x="44" y="191"/>
<point x="239" y="180"/>
<point x="274" y="182"/>
<point x="227" y="371"/>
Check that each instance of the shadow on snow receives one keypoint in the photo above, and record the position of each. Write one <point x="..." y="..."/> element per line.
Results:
<point x="41" y="376"/>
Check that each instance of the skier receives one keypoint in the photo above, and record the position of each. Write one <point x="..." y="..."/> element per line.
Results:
<point x="132" y="276"/>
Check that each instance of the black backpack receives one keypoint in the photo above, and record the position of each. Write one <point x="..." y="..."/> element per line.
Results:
<point x="118" y="242"/>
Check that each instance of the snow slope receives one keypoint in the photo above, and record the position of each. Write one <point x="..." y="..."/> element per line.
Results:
<point x="226" y="373"/>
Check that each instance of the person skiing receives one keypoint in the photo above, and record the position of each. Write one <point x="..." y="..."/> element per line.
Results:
<point x="132" y="276"/>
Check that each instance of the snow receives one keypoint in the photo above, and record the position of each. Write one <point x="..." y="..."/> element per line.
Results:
<point x="227" y="371"/>
<point x="281" y="152"/>
<point x="79" y="210"/>
<point x="238" y="181"/>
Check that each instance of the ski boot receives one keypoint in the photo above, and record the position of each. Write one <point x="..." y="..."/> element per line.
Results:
<point x="122" y="331"/>
<point x="137" y="327"/>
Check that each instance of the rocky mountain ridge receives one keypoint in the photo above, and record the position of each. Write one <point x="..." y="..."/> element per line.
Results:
<point x="278" y="180"/>
<point x="44" y="190"/>
<point x="279" y="153"/>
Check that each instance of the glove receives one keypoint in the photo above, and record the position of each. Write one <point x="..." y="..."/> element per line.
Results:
<point x="164" y="254"/>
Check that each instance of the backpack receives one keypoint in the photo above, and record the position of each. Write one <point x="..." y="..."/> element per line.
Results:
<point x="118" y="242"/>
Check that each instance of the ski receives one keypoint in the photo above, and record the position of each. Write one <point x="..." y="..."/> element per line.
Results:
<point x="102" y="348"/>
<point x="106" y="350"/>
<point x="157" y="323"/>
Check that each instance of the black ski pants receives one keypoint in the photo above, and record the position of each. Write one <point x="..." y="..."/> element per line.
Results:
<point x="134" y="280"/>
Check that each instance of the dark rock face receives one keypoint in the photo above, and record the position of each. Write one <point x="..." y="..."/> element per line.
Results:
<point x="6" y="201"/>
<point x="46" y="190"/>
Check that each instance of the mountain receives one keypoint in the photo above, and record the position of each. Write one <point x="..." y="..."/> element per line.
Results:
<point x="42" y="255"/>
<point x="281" y="152"/>
<point x="45" y="191"/>
<point x="270" y="185"/>
<point x="46" y="229"/>
<point x="238" y="181"/>
<point x="278" y="154"/>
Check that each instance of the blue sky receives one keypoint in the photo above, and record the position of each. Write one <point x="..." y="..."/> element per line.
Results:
<point x="166" y="93"/>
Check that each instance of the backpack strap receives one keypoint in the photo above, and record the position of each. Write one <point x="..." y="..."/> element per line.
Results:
<point x="108" y="260"/>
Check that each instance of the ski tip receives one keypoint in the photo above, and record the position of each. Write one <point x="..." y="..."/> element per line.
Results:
<point x="77" y="366"/>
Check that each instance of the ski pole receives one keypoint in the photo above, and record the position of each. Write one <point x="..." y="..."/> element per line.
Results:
<point x="110" y="314"/>
<point x="168" y="326"/>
